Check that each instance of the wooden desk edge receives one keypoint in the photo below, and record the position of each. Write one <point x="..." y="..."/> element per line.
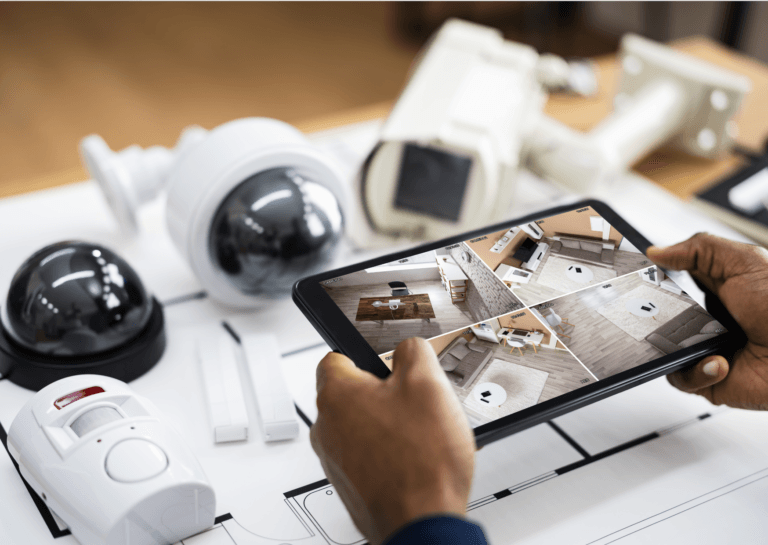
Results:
<point x="698" y="46"/>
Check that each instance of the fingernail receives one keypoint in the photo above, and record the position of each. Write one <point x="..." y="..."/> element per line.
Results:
<point x="711" y="368"/>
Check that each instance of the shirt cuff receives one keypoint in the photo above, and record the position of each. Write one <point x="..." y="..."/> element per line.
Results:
<point x="442" y="529"/>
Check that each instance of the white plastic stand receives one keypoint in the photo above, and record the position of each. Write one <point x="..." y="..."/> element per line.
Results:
<point x="664" y="96"/>
<point x="133" y="176"/>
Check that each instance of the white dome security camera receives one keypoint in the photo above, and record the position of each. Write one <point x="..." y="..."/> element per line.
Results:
<point x="253" y="205"/>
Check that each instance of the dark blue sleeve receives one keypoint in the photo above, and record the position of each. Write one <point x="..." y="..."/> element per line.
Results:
<point x="439" y="530"/>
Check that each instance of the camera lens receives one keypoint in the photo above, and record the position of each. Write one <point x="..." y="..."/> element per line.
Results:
<point x="75" y="299"/>
<point x="275" y="227"/>
<point x="432" y="182"/>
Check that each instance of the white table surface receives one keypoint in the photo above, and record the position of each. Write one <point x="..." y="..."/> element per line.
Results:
<point x="670" y="489"/>
<point x="497" y="397"/>
<point x="585" y="276"/>
<point x="534" y="337"/>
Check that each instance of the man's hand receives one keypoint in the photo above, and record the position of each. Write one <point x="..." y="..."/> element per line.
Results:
<point x="395" y="449"/>
<point x="738" y="274"/>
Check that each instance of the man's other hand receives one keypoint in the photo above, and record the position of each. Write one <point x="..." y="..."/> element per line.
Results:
<point x="738" y="274"/>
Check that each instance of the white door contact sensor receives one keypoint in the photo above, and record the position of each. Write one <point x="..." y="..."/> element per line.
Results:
<point x="237" y="367"/>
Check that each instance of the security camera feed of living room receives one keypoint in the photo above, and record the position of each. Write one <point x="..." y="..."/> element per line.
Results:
<point x="425" y="295"/>
<point x="560" y="254"/>
<point x="520" y="316"/>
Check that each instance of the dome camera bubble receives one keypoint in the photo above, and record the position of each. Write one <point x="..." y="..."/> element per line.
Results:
<point x="75" y="299"/>
<point x="274" y="228"/>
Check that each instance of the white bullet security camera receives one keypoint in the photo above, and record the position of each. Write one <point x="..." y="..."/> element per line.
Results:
<point x="449" y="151"/>
<point x="253" y="205"/>
<point x="471" y="116"/>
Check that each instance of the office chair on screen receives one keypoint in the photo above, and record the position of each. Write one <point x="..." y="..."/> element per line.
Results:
<point x="399" y="288"/>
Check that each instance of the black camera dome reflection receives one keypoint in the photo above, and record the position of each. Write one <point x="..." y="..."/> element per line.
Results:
<point x="273" y="229"/>
<point x="75" y="299"/>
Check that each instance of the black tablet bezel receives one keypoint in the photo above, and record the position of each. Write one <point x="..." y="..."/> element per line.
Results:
<point x="342" y="336"/>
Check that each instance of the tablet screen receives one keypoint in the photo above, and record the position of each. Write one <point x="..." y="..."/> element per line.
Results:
<point x="520" y="316"/>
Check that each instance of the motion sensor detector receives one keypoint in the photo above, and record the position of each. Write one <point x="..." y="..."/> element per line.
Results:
<point x="101" y="458"/>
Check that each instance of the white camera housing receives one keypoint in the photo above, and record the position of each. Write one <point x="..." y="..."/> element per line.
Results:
<point x="471" y="115"/>
<point x="229" y="155"/>
<point x="105" y="464"/>
<point x="472" y="96"/>
<point x="202" y="171"/>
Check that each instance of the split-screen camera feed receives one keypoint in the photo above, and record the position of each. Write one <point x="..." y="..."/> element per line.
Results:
<point x="520" y="316"/>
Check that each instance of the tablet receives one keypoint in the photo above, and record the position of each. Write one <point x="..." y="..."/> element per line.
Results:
<point x="529" y="319"/>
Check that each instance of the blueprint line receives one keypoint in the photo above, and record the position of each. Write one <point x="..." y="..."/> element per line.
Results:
<point x="306" y="488"/>
<point x="305" y="349"/>
<point x="231" y="331"/>
<point x="609" y="452"/>
<point x="684" y="510"/>
<point x="222" y="518"/>
<point x="519" y="487"/>
<point x="303" y="416"/>
<point x="184" y="298"/>
<point x="569" y="439"/>
<point x="236" y="337"/>
<point x="589" y="459"/>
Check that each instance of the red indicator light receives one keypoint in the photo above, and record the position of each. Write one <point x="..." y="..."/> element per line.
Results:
<point x="74" y="396"/>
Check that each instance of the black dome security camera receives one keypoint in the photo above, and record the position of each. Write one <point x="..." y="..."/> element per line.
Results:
<point x="76" y="308"/>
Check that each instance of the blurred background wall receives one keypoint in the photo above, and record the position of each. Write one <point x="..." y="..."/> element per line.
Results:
<point x="137" y="73"/>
